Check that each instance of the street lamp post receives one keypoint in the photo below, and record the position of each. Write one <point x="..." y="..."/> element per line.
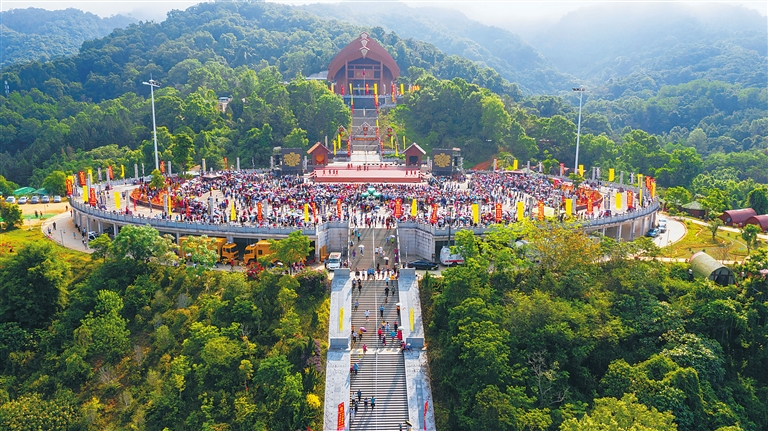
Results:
<point x="152" y="84"/>
<point x="581" y="91"/>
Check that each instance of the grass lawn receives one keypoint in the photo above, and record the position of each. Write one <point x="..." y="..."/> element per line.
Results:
<point x="726" y="246"/>
<point x="15" y="239"/>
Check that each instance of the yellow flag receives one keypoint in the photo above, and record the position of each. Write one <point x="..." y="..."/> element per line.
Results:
<point x="414" y="208"/>
<point x="618" y="201"/>
<point x="475" y="213"/>
<point x="122" y="171"/>
<point x="375" y="89"/>
<point x="306" y="213"/>
<point x="514" y="165"/>
<point x="333" y="87"/>
<point x="653" y="188"/>
<point x="402" y="89"/>
<point x="640" y="186"/>
<point x="404" y="143"/>
<point x="611" y="174"/>
<point x="568" y="207"/>
<point x="233" y="216"/>
<point x="85" y="194"/>
<point x="377" y="122"/>
<point x="90" y="175"/>
<point x="581" y="170"/>
<point x="392" y="141"/>
<point x="117" y="200"/>
<point x="520" y="210"/>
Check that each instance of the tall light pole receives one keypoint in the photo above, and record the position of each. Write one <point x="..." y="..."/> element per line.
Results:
<point x="581" y="91"/>
<point x="152" y="84"/>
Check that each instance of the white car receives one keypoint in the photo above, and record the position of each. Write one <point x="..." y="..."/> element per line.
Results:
<point x="56" y="199"/>
<point x="35" y="200"/>
<point x="22" y="200"/>
<point x="45" y="199"/>
<point x="10" y="200"/>
<point x="662" y="225"/>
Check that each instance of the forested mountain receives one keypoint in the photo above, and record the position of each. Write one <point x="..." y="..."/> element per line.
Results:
<point x="454" y="33"/>
<point x="34" y="34"/>
<point x="644" y="46"/>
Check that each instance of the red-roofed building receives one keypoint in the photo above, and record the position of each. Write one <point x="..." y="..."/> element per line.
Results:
<point x="319" y="155"/>
<point x="413" y="155"/>
<point x="737" y="217"/>
<point x="363" y="62"/>
<point x="760" y="220"/>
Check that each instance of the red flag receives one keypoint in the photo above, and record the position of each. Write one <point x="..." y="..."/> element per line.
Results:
<point x="258" y="209"/>
<point x="81" y="176"/>
<point x="340" y="421"/>
<point x="189" y="210"/>
<point x="338" y="207"/>
<point x="398" y="208"/>
<point x="541" y="210"/>
<point x="70" y="187"/>
<point x="342" y="90"/>
<point x="630" y="199"/>
<point x="226" y="164"/>
<point x="110" y="174"/>
<point x="366" y="85"/>
<point x="162" y="166"/>
<point x="314" y="211"/>
<point x="92" y="197"/>
<point x="426" y="408"/>
<point x="433" y="217"/>
<point x="590" y="208"/>
<point x="499" y="212"/>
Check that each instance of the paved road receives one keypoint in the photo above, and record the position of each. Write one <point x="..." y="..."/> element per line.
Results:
<point x="676" y="231"/>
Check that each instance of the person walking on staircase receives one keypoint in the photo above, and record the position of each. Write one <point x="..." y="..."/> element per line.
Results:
<point x="359" y="395"/>
<point x="381" y="311"/>
<point x="373" y="402"/>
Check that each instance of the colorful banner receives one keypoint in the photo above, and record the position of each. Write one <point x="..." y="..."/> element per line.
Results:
<point x="569" y="207"/>
<point x="81" y="177"/>
<point x="90" y="176"/>
<point x="495" y="164"/>
<point x="640" y="187"/>
<point x="306" y="213"/>
<point x="590" y="206"/>
<point x="233" y="216"/>
<point x="520" y="210"/>
<point x="92" y="196"/>
<point x="110" y="173"/>
<point x="611" y="174"/>
<point x="226" y="164"/>
<point x="617" y="201"/>
<point x="162" y="166"/>
<point x="581" y="170"/>
<point x="70" y="183"/>
<point x="259" y="215"/>
<point x="433" y="216"/>
<point x="514" y="165"/>
<point x="414" y="208"/>
<point x="86" y="195"/>
<point x="653" y="188"/>
<point x="402" y="89"/>
<point x="630" y="199"/>
<point x="475" y="213"/>
<point x="340" y="421"/>
<point x="314" y="211"/>
<point x="426" y="409"/>
<point x="117" y="200"/>
<point x="338" y="208"/>
<point x="398" y="208"/>
<point x="562" y="169"/>
<point x="541" y="210"/>
<point x="499" y="212"/>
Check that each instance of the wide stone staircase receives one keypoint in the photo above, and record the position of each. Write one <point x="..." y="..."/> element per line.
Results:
<point x="381" y="371"/>
<point x="360" y="137"/>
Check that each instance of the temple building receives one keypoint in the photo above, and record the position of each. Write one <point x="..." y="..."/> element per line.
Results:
<point x="363" y="63"/>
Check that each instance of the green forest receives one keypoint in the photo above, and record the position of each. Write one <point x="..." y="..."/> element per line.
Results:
<point x="137" y="342"/>
<point x="574" y="343"/>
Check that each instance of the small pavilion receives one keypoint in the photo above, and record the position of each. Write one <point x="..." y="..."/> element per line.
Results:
<point x="413" y="155"/>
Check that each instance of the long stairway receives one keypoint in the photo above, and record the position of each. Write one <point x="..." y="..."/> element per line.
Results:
<point x="362" y="119"/>
<point x="381" y="371"/>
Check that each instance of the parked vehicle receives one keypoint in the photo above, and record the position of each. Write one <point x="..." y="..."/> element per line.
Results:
<point x="334" y="261"/>
<point x="56" y="199"/>
<point x="35" y="200"/>
<point x="653" y="233"/>
<point x="23" y="200"/>
<point x="422" y="264"/>
<point x="45" y="199"/>
<point x="10" y="200"/>
<point x="662" y="225"/>
<point x="448" y="259"/>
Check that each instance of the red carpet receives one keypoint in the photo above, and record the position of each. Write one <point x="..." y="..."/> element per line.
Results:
<point x="374" y="174"/>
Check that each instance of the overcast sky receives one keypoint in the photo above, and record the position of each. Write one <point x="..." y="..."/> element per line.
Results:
<point x="488" y="11"/>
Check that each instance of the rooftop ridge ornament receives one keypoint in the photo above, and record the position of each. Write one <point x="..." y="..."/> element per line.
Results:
<point x="364" y="51"/>
<point x="363" y="35"/>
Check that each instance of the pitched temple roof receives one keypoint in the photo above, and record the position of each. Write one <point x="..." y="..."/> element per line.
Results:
<point x="416" y="147"/>
<point x="363" y="47"/>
